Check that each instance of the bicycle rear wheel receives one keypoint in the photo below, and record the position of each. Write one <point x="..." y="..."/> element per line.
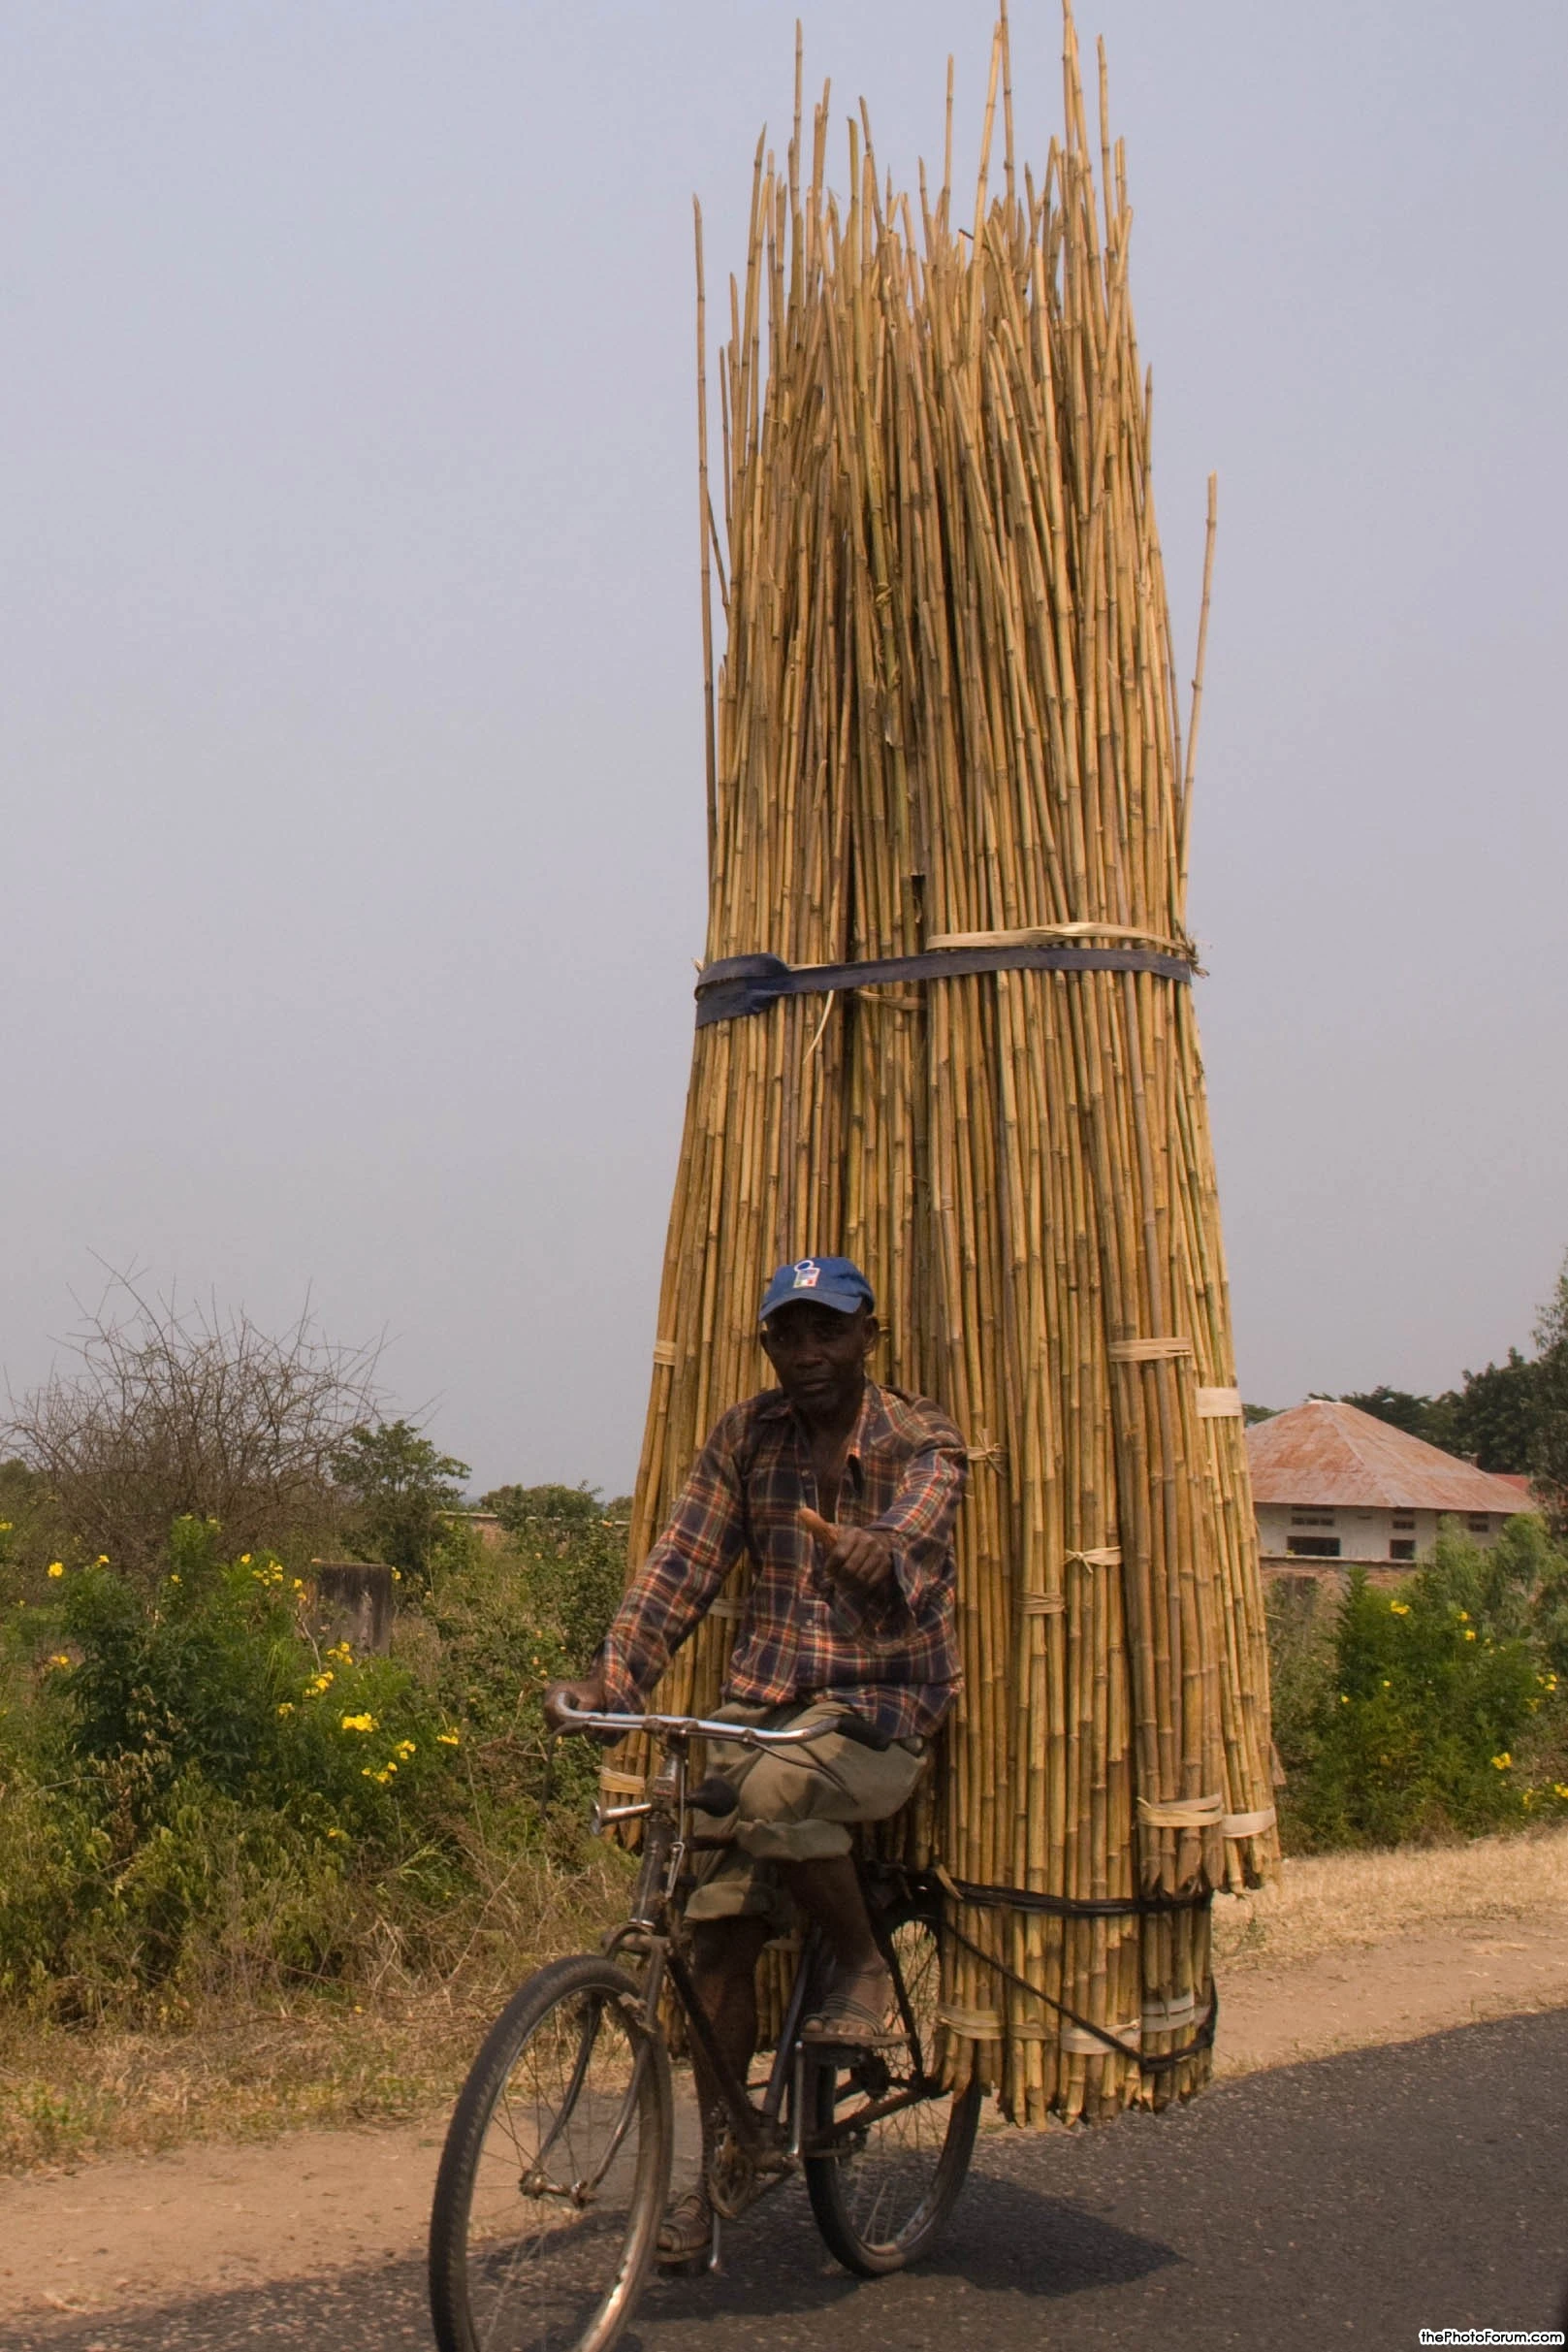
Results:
<point x="553" y="2179"/>
<point x="883" y="2198"/>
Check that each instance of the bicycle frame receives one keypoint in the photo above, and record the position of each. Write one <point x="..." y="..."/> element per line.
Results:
<point x="651" y="1931"/>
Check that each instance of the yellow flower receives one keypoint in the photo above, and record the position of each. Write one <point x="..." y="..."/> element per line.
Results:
<point x="173" y="1580"/>
<point x="59" y="1658"/>
<point x="447" y="1739"/>
<point x="337" y="1833"/>
<point x="342" y="1653"/>
<point x="244" y="1559"/>
<point x="1464" y="1616"/>
<point x="359" y="1722"/>
<point x="287" y="1708"/>
<point x="1469" y="1633"/>
<point x="318" y="1683"/>
<point x="405" y="1748"/>
<point x="57" y="1567"/>
<point x="1400" y="1608"/>
<point x="299" y="1584"/>
<point x="102" y="1561"/>
<point x="1503" y="1762"/>
<point x="1559" y="1789"/>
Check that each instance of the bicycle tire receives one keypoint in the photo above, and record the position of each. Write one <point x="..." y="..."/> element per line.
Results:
<point x="883" y="2204"/>
<point x="572" y="2086"/>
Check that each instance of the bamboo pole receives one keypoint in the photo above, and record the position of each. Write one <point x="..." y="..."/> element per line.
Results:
<point x="947" y="703"/>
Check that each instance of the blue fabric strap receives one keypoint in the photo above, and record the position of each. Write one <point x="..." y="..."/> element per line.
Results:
<point x="738" y="984"/>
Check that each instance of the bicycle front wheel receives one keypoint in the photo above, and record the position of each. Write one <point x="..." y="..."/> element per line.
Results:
<point x="899" y="2155"/>
<point x="555" y="2168"/>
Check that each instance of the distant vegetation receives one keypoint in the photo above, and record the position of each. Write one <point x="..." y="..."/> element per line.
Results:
<point x="206" y="1799"/>
<point x="203" y="1797"/>
<point x="207" y="1803"/>
<point x="1436" y="1707"/>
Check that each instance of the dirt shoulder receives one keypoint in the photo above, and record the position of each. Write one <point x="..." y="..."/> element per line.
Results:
<point x="1347" y="1952"/>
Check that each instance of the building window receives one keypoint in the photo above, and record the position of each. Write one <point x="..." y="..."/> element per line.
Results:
<point x="1403" y="1547"/>
<point x="1403" y="1519"/>
<point x="1312" y="1518"/>
<point x="1479" y="1523"/>
<point x="1312" y="1547"/>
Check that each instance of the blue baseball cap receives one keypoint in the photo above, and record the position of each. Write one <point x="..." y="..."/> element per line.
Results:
<point x="836" y="1282"/>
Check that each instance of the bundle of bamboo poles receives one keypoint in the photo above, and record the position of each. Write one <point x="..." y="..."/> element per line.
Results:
<point x="947" y="707"/>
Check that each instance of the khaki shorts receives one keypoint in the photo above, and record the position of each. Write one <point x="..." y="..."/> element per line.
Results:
<point x="795" y="1805"/>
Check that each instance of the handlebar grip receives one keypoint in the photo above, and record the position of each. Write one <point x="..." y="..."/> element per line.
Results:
<point x="715" y="1796"/>
<point x="864" y="1734"/>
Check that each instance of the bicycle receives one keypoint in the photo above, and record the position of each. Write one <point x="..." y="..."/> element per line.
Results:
<point x="556" y="2169"/>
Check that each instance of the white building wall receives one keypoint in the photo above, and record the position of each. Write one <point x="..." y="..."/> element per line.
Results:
<point x="1364" y="1537"/>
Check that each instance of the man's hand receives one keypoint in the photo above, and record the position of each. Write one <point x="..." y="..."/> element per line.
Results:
<point x="581" y="1698"/>
<point x="862" y="1557"/>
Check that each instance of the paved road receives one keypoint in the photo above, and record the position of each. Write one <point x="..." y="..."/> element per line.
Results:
<point x="1350" y="2202"/>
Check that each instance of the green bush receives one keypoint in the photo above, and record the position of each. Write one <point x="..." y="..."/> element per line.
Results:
<point x="572" y="1552"/>
<point x="1434" y="1708"/>
<point x="199" y="1799"/>
<point x="214" y="1674"/>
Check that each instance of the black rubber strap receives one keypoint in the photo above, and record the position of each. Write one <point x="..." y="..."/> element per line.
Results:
<point x="1073" y="1907"/>
<point x="1160" y="2063"/>
<point x="738" y="984"/>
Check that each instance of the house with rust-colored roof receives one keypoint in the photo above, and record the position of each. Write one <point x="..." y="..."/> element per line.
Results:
<point x="1330" y="1482"/>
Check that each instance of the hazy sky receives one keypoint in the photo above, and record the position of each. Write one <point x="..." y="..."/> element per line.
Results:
<point x="350" y="727"/>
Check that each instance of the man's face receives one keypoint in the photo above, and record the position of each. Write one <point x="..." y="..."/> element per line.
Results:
<point x="819" y="1355"/>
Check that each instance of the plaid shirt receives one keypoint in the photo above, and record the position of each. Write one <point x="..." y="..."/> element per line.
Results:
<point x="891" y="1656"/>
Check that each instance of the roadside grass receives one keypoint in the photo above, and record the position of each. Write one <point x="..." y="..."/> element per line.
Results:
<point x="1332" y="1901"/>
<point x="336" y="2058"/>
<point x="69" y="2094"/>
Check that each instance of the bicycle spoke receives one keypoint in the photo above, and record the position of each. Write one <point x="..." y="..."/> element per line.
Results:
<point x="559" y="2180"/>
<point x="892" y="2155"/>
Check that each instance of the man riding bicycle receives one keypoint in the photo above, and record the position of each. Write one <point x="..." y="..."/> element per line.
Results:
<point x="843" y="1492"/>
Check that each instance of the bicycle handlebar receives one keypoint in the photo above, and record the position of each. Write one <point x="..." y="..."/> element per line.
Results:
<point x="742" y="1735"/>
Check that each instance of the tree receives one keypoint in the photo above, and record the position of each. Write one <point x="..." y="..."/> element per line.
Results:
<point x="1495" y="1414"/>
<point x="1549" y="1457"/>
<point x="402" y="1491"/>
<point x="183" y="1412"/>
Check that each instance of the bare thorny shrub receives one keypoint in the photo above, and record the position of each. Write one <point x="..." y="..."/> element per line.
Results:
<point x="171" y="1410"/>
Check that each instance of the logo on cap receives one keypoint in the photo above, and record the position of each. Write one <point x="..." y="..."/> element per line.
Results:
<point x="808" y="1274"/>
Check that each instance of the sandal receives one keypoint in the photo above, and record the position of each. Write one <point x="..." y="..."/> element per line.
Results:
<point x="849" y="2021"/>
<point x="686" y="2233"/>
